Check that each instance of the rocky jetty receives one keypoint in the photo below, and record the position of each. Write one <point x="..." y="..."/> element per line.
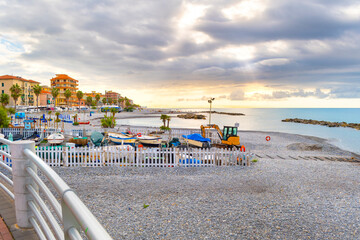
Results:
<point x="191" y="116"/>
<point x="323" y="123"/>
<point x="225" y="113"/>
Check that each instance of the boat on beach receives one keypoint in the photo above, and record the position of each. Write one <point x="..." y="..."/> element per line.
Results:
<point x="79" y="141"/>
<point x="122" y="138"/>
<point x="149" y="140"/>
<point x="196" y="140"/>
<point x="55" y="138"/>
<point x="98" y="139"/>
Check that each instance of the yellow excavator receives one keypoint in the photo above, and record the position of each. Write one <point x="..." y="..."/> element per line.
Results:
<point x="228" y="136"/>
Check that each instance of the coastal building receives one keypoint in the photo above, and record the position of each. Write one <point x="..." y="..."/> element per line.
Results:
<point x="93" y="94"/>
<point x="27" y="98"/>
<point x="112" y="95"/>
<point x="64" y="82"/>
<point x="45" y="98"/>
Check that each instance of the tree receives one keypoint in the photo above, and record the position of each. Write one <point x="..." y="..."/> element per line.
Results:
<point x="15" y="92"/>
<point x="4" y="99"/>
<point x="127" y="102"/>
<point x="110" y="101"/>
<point x="97" y="98"/>
<point x="168" y="118"/>
<point x="104" y="101"/>
<point x="164" y="117"/>
<point x="37" y="91"/>
<point x="89" y="101"/>
<point x="79" y="96"/>
<point x="121" y="100"/>
<point x="55" y="93"/>
<point x="67" y="95"/>
<point x="4" y="119"/>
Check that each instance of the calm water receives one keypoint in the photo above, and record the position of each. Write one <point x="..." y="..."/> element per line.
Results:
<point x="269" y="119"/>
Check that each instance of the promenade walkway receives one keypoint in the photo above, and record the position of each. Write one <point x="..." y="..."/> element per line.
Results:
<point x="7" y="213"/>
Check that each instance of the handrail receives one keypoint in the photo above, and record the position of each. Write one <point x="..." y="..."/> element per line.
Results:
<point x="5" y="154"/>
<point x="54" y="203"/>
<point x="5" y="166"/>
<point x="41" y="220"/>
<point x="5" y="141"/>
<point x="90" y="225"/>
<point x="2" y="186"/>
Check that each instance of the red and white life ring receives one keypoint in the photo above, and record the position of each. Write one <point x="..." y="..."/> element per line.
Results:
<point x="267" y="138"/>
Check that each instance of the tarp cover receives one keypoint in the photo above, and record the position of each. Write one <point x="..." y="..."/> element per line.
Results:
<point x="196" y="137"/>
<point x="96" y="138"/>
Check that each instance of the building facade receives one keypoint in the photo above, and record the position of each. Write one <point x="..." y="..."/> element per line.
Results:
<point x="93" y="94"/>
<point x="27" y="98"/>
<point x="64" y="82"/>
<point x="112" y="95"/>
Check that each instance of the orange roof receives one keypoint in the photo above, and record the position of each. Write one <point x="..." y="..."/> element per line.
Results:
<point x="63" y="76"/>
<point x="43" y="91"/>
<point x="5" y="77"/>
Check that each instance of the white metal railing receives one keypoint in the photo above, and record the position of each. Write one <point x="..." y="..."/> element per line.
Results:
<point x="71" y="215"/>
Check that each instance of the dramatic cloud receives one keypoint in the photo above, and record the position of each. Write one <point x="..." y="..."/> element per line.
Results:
<point x="286" y="44"/>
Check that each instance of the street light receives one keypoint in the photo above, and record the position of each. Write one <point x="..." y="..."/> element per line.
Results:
<point x="210" y="101"/>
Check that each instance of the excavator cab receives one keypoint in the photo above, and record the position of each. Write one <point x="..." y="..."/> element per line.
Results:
<point x="230" y="136"/>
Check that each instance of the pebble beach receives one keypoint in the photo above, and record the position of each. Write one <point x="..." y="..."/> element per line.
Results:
<point x="272" y="199"/>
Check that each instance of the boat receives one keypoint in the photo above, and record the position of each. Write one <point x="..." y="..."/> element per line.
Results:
<point x="122" y="138"/>
<point x="88" y="122"/>
<point x="55" y="138"/>
<point x="2" y="135"/>
<point x="34" y="137"/>
<point x="79" y="141"/>
<point x="15" y="137"/>
<point x="196" y="140"/>
<point x="98" y="139"/>
<point x="149" y="140"/>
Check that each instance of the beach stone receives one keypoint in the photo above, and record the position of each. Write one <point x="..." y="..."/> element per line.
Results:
<point x="304" y="147"/>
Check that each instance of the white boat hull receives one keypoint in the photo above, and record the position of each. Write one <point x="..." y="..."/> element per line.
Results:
<point x="56" y="139"/>
<point x="121" y="139"/>
<point x="149" y="140"/>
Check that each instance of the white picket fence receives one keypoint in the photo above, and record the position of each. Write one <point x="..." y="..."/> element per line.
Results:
<point x="129" y="157"/>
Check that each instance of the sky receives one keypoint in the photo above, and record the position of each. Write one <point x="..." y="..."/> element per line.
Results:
<point x="173" y="53"/>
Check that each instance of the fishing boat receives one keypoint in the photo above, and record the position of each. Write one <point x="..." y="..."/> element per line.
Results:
<point x="79" y="141"/>
<point x="88" y="122"/>
<point x="15" y="137"/>
<point x="34" y="137"/>
<point x="149" y="140"/>
<point x="55" y="138"/>
<point x="98" y="139"/>
<point x="122" y="138"/>
<point x="196" y="140"/>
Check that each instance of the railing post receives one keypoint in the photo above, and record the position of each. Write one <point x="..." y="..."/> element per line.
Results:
<point x="21" y="178"/>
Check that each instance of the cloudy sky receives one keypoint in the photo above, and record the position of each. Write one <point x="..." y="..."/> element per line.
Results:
<point x="173" y="53"/>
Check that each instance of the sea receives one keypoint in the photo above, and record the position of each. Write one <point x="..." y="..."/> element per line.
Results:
<point x="269" y="119"/>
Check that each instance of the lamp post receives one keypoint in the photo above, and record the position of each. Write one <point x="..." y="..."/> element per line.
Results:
<point x="210" y="101"/>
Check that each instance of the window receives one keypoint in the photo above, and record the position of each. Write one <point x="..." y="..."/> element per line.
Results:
<point x="2" y="84"/>
<point x="2" y="91"/>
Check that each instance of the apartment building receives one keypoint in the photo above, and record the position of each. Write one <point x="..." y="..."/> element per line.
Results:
<point x="27" y="98"/>
<point x="64" y="82"/>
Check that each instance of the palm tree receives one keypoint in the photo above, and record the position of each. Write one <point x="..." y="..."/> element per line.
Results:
<point x="104" y="101"/>
<point x="89" y="100"/>
<point x="55" y="93"/>
<point x="15" y="92"/>
<point x="164" y="117"/>
<point x="67" y="95"/>
<point x="4" y="99"/>
<point x="110" y="101"/>
<point x="121" y="100"/>
<point x="97" y="98"/>
<point x="168" y="118"/>
<point x="79" y="96"/>
<point x="37" y="90"/>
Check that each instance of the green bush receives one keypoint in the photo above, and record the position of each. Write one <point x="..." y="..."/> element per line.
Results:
<point x="108" y="122"/>
<point x="164" y="128"/>
<point x="4" y="119"/>
<point x="93" y="107"/>
<point x="76" y="123"/>
<point x="11" y="110"/>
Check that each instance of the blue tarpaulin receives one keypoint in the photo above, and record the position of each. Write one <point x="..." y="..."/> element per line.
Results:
<point x="196" y="137"/>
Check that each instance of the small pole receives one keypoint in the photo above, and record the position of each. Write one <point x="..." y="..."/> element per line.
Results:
<point x="210" y="101"/>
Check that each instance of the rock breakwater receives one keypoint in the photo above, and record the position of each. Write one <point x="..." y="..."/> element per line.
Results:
<point x="191" y="116"/>
<point x="323" y="123"/>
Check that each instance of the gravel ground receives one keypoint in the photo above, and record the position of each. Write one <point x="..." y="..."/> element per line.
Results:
<point x="272" y="199"/>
